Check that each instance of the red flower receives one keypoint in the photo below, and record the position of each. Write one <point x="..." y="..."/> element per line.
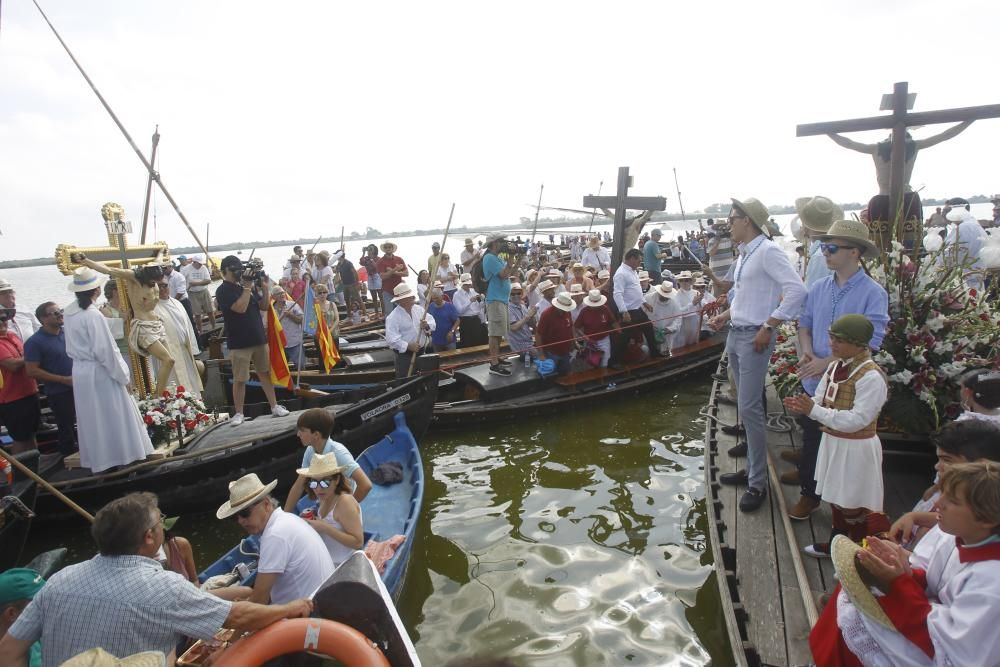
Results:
<point x="166" y="394"/>
<point x="148" y="420"/>
<point x="189" y="425"/>
<point x="180" y="389"/>
<point x="172" y="424"/>
<point x="973" y="293"/>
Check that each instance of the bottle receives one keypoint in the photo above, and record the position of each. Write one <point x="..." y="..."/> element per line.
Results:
<point x="6" y="473"/>
<point x="527" y="357"/>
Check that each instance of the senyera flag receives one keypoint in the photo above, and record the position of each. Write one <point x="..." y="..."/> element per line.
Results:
<point x="315" y="326"/>
<point x="280" y="375"/>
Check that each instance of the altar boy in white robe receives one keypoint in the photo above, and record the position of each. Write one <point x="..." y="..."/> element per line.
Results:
<point x="181" y="341"/>
<point x="111" y="430"/>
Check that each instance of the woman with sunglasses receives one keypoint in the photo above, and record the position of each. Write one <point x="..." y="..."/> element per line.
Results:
<point x="338" y="516"/>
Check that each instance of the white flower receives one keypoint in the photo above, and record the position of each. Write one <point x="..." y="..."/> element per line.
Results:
<point x="936" y="323"/>
<point x="885" y="360"/>
<point x="902" y="377"/>
<point x="951" y="369"/>
<point x="943" y="347"/>
<point x="917" y="354"/>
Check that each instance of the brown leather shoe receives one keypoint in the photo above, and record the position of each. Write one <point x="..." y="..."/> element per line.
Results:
<point x="792" y="455"/>
<point x="790" y="477"/>
<point x="801" y="510"/>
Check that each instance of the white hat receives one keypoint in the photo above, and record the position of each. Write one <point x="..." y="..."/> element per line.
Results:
<point x="438" y="284"/>
<point x="545" y="284"/>
<point x="554" y="272"/>
<point x="465" y="279"/>
<point x="665" y="289"/>
<point x="244" y="492"/>
<point x="201" y="258"/>
<point x="564" y="302"/>
<point x="644" y="275"/>
<point x="516" y="287"/>
<point x="321" y="466"/>
<point x="595" y="299"/>
<point x="700" y="282"/>
<point x="958" y="214"/>
<point x="495" y="236"/>
<point x="84" y="279"/>
<point x="402" y="291"/>
<point x="576" y="288"/>
<point x="684" y="275"/>
<point x="666" y="273"/>
<point x="603" y="273"/>
<point x="577" y="265"/>
<point x="98" y="657"/>
<point x="5" y="285"/>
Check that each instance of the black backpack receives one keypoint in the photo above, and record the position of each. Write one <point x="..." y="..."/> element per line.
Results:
<point x="479" y="282"/>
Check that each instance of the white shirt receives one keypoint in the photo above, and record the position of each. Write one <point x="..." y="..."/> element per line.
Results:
<point x="293" y="550"/>
<point x="444" y="274"/>
<point x="193" y="275"/>
<point x="628" y="291"/>
<point x="599" y="259"/>
<point x="870" y="394"/>
<point x="23" y="325"/>
<point x="178" y="285"/>
<point x="666" y="315"/>
<point x="766" y="283"/>
<point x="465" y="303"/>
<point x="401" y="327"/>
<point x="969" y="236"/>
<point x="466" y="258"/>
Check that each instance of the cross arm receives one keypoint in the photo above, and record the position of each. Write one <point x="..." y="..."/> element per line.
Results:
<point x="109" y="256"/>
<point x="953" y="131"/>
<point x="112" y="271"/>
<point x="632" y="203"/>
<point x="958" y="115"/>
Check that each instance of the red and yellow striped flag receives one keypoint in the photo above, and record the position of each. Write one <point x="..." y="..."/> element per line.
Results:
<point x="328" y="351"/>
<point x="280" y="375"/>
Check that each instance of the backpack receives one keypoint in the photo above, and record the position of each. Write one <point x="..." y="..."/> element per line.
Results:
<point x="479" y="282"/>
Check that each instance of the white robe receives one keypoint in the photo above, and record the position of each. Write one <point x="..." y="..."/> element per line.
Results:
<point x="110" y="427"/>
<point x="691" y="322"/>
<point x="182" y="344"/>
<point x="665" y="316"/>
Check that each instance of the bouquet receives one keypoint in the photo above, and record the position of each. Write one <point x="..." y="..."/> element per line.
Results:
<point x="174" y="412"/>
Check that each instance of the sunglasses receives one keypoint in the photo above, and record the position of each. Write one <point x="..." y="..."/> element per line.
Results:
<point x="733" y="218"/>
<point x="832" y="248"/>
<point x="54" y="313"/>
<point x="245" y="512"/>
<point x="159" y="522"/>
<point x="322" y="483"/>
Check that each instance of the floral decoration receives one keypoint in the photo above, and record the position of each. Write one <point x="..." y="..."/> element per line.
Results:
<point x="174" y="412"/>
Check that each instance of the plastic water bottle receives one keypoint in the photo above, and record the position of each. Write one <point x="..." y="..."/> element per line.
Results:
<point x="527" y="357"/>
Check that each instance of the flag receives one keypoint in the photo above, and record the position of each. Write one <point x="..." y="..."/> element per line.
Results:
<point x="324" y="341"/>
<point x="310" y="314"/>
<point x="280" y="375"/>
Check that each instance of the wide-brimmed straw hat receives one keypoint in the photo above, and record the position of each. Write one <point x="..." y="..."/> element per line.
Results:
<point x="545" y="284"/>
<point x="644" y="275"/>
<point x="98" y="657"/>
<point x="469" y="242"/>
<point x="494" y="236"/>
<point x="595" y="299"/>
<point x="603" y="273"/>
<point x="564" y="302"/>
<point x="402" y="291"/>
<point x="293" y="258"/>
<point x="843" y="551"/>
<point x="684" y="275"/>
<point x="577" y="265"/>
<point x="388" y="244"/>
<point x="438" y="284"/>
<point x="516" y="287"/>
<point x="244" y="492"/>
<point x="757" y="212"/>
<point x="854" y="232"/>
<point x="818" y="213"/>
<point x="322" y="466"/>
<point x="576" y="290"/>
<point x="665" y="289"/>
<point x="465" y="279"/>
<point x="84" y="280"/>
<point x="700" y="282"/>
<point x="5" y="285"/>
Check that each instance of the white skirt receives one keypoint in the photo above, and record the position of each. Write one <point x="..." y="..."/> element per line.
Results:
<point x="849" y="472"/>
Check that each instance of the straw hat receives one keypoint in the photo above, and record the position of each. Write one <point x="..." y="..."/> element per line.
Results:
<point x="595" y="299"/>
<point x="757" y="212"/>
<point x="577" y="265"/>
<point x="546" y="285"/>
<point x="494" y="236"/>
<point x="244" y="492"/>
<point x="438" y="284"/>
<point x="402" y="291"/>
<point x="84" y="280"/>
<point x="468" y="242"/>
<point x="575" y="289"/>
<point x="843" y="550"/>
<point x="564" y="302"/>
<point x="554" y="272"/>
<point x="322" y="466"/>
<point x="818" y="213"/>
<point x="700" y="282"/>
<point x="852" y="231"/>
<point x="516" y="287"/>
<point x="293" y="258"/>
<point x="98" y="657"/>
<point x="386" y="245"/>
<point x="684" y="275"/>
<point x="5" y="285"/>
<point x="603" y="274"/>
<point x="643" y="275"/>
<point x="325" y="254"/>
<point x="665" y="289"/>
<point x="466" y="279"/>
<point x="667" y="273"/>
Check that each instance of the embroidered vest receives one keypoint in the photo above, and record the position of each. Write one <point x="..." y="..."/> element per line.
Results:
<point x="845" y="393"/>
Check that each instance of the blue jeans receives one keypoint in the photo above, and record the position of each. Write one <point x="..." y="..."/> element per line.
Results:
<point x="293" y="354"/>
<point x="750" y="371"/>
<point x="387" y="304"/>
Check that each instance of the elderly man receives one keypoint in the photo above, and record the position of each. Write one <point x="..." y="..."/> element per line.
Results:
<point x="294" y="562"/>
<point x="468" y="255"/>
<point x="628" y="298"/>
<point x="653" y="256"/>
<point x="22" y="324"/>
<point x="546" y="291"/>
<point x="199" y="277"/>
<point x="290" y="317"/>
<point x="124" y="601"/>
<point x="294" y="262"/>
<point x="496" y="273"/>
<point x="596" y="256"/>
<point x="767" y="293"/>
<point x="45" y="359"/>
<point x="469" y="305"/>
<point x="555" y="333"/>
<point x="407" y="328"/>
<point x="522" y="320"/>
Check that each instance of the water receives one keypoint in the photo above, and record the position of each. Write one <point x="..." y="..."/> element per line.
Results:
<point x="538" y="541"/>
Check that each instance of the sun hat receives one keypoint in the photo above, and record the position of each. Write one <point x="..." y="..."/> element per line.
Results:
<point x="322" y="466"/>
<point x="595" y="299"/>
<point x="546" y="285"/>
<point x="388" y="244"/>
<point x="577" y="265"/>
<point x="19" y="583"/>
<point x="576" y="290"/>
<point x="644" y="275"/>
<point x="818" y="213"/>
<point x="244" y="492"/>
<point x="5" y="285"/>
<point x="854" y="328"/>
<point x="494" y="236"/>
<point x="843" y="551"/>
<point x="438" y="284"/>
<point x="564" y="302"/>
<point x="85" y="279"/>
<point x="684" y="275"/>
<point x="665" y="289"/>
<point x="402" y="291"/>
<point x="666" y="273"/>
<point x="853" y="231"/>
<point x="700" y="282"/>
<point x="554" y="272"/>
<point x="465" y="279"/>
<point x="98" y="657"/>
<point x="757" y="212"/>
<point x="516" y="287"/>
<point x="603" y="273"/>
<point x="468" y="242"/>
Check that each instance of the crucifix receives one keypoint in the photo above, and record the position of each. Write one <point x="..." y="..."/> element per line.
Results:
<point x="118" y="254"/>
<point x="627" y="230"/>
<point x="894" y="170"/>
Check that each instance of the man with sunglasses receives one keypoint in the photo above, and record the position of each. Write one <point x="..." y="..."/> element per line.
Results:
<point x="848" y="290"/>
<point x="46" y="361"/>
<point x="766" y="292"/>
<point x="20" y="410"/>
<point x="21" y="324"/>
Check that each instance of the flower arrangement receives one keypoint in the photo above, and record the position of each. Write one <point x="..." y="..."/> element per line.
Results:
<point x="783" y="370"/>
<point x="175" y="412"/>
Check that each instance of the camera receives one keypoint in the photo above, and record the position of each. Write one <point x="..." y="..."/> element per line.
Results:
<point x="253" y="269"/>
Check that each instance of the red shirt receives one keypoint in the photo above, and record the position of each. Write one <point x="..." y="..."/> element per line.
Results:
<point x="16" y="384"/>
<point x="596" y="321"/>
<point x="556" y="327"/>
<point x="385" y="263"/>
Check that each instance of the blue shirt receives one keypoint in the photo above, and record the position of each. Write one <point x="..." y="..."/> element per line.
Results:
<point x="816" y="269"/>
<point x="498" y="289"/>
<point x="49" y="352"/>
<point x="344" y="458"/>
<point x="650" y="260"/>
<point x="825" y="302"/>
<point x="445" y="317"/>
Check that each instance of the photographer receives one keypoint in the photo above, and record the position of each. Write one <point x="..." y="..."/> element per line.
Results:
<point x="496" y="272"/>
<point x="242" y="300"/>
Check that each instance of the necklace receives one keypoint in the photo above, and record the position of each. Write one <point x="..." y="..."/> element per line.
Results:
<point x="746" y="258"/>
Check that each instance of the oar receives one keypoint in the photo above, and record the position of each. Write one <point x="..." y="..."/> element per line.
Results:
<point x="427" y="295"/>
<point x="48" y="487"/>
<point x="316" y="244"/>
<point x="679" y="203"/>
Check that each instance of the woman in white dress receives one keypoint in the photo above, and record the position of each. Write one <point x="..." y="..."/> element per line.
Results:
<point x="111" y="430"/>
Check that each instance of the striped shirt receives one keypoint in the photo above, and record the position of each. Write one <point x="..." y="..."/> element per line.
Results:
<point x="123" y="604"/>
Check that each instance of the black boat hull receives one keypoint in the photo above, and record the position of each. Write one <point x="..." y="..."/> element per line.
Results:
<point x="14" y="529"/>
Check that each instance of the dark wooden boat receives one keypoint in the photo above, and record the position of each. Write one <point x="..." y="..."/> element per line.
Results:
<point x="197" y="475"/>
<point x="17" y="505"/>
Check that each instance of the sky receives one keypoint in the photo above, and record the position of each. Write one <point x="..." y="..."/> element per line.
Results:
<point x="294" y="119"/>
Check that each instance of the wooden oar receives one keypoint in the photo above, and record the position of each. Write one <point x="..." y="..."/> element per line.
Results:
<point x="48" y="487"/>
<point x="427" y="295"/>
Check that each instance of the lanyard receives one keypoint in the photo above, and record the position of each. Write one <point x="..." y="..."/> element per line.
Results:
<point x="746" y="258"/>
<point x="836" y="296"/>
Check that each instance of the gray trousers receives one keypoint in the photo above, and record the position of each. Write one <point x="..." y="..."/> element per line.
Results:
<point x="750" y="370"/>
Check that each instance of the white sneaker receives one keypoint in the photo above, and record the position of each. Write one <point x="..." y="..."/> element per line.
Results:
<point x="236" y="419"/>
<point x="279" y="411"/>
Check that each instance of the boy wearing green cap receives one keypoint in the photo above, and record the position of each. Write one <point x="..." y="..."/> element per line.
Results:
<point x="17" y="587"/>
<point x="847" y="404"/>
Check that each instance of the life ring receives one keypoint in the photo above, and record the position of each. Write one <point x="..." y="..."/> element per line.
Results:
<point x="295" y="635"/>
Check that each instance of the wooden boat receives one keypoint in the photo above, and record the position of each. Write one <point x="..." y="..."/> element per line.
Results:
<point x="474" y="395"/>
<point x="197" y="475"/>
<point x="17" y="507"/>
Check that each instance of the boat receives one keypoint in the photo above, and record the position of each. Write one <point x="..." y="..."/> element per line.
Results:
<point x="17" y="509"/>
<point x="197" y="474"/>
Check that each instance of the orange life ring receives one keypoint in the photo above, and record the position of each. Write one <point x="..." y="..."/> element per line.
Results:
<point x="295" y="635"/>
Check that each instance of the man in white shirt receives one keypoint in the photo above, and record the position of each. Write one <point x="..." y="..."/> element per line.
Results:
<point x="964" y="242"/>
<point x="628" y="297"/>
<point x="407" y="328"/>
<point x="469" y="305"/>
<point x="199" y="277"/>
<point x="596" y="256"/>
<point x="767" y="292"/>
<point x="24" y="324"/>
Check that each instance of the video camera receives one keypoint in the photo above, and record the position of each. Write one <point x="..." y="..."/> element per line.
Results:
<point x="253" y="270"/>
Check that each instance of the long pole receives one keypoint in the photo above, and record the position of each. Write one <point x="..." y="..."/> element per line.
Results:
<point x="538" y="208"/>
<point x="45" y="485"/>
<point x="149" y="186"/>
<point x="427" y="295"/>
<point x="317" y="243"/>
<point x="342" y="240"/>
<point x="593" y="212"/>
<point x="679" y="202"/>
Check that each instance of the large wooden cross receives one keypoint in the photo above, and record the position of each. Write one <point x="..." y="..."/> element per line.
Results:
<point x="898" y="121"/>
<point x="119" y="254"/>
<point x="621" y="202"/>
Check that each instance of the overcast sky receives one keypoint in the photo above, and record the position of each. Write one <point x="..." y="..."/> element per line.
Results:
<point x="290" y="119"/>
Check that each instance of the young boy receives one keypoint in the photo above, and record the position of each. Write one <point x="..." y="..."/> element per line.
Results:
<point x="849" y="463"/>
<point x="941" y="600"/>
<point x="314" y="427"/>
